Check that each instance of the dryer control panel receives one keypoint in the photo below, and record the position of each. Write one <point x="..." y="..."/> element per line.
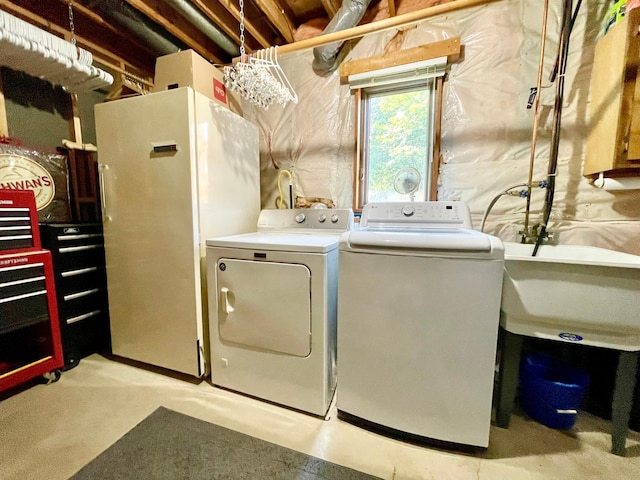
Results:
<point x="416" y="215"/>
<point x="316" y="220"/>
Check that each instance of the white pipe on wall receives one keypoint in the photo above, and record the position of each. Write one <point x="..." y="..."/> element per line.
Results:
<point x="613" y="184"/>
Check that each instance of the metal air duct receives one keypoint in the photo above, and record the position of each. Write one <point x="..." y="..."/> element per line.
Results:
<point x="123" y="15"/>
<point x="349" y="14"/>
<point x="203" y="24"/>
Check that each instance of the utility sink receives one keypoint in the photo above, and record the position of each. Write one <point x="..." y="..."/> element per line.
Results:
<point x="572" y="293"/>
<point x="575" y="294"/>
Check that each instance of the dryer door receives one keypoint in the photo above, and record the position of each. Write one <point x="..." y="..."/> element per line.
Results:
<point x="264" y="305"/>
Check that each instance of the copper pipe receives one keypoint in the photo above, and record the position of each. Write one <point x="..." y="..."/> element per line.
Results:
<point x="536" y="107"/>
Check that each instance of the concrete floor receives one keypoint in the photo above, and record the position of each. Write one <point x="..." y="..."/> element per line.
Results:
<point x="51" y="431"/>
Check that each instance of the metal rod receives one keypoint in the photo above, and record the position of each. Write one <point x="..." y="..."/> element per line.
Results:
<point x="536" y="107"/>
<point x="557" y="123"/>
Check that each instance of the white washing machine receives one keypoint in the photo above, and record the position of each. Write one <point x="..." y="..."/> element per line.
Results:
<point x="418" y="315"/>
<point x="273" y="306"/>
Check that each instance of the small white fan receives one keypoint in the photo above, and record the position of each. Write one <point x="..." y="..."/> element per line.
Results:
<point x="407" y="181"/>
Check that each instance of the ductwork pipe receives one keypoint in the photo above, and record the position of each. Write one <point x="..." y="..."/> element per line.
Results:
<point x="348" y="16"/>
<point x="128" y="18"/>
<point x="203" y="24"/>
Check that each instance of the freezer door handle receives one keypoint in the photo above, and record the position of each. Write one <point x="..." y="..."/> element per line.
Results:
<point x="165" y="148"/>
<point x="227" y="308"/>
<point x="101" y="172"/>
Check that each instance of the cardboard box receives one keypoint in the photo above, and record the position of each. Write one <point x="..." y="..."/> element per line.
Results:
<point x="188" y="69"/>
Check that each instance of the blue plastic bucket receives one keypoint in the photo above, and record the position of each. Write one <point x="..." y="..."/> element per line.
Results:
<point x="551" y="392"/>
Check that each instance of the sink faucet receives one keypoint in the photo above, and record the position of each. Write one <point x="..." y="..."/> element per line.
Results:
<point x="531" y="236"/>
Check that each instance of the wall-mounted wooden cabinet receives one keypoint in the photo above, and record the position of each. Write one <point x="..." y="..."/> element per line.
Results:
<point x="614" y="135"/>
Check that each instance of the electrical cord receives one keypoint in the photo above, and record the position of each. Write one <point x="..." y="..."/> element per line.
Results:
<point x="280" y="200"/>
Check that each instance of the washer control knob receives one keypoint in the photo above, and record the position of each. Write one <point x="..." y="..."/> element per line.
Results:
<point x="322" y="218"/>
<point x="300" y="217"/>
<point x="408" y="210"/>
<point x="334" y="218"/>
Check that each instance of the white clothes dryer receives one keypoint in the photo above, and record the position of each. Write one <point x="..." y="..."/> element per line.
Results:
<point x="272" y="299"/>
<point x="418" y="315"/>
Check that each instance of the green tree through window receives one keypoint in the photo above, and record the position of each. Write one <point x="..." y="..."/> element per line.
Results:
<point x="398" y="136"/>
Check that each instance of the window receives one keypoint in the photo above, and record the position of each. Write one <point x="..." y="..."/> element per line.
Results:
<point x="397" y="131"/>
<point x="397" y="142"/>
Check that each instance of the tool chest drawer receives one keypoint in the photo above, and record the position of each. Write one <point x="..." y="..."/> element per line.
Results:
<point x="18" y="222"/>
<point x="23" y="296"/>
<point x="29" y="326"/>
<point x="77" y="250"/>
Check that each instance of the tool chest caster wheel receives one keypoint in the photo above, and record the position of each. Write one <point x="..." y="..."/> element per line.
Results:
<point x="52" y="377"/>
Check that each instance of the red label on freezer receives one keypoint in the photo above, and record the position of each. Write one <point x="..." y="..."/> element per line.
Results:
<point x="219" y="91"/>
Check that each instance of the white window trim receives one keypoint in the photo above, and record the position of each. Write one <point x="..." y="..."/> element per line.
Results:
<point x="407" y="73"/>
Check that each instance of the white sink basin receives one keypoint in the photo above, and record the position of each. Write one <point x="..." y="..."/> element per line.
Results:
<point x="572" y="293"/>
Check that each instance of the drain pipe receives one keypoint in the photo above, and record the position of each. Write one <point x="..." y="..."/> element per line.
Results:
<point x="349" y="14"/>
<point x="128" y="18"/>
<point x="203" y="24"/>
<point x="563" y="52"/>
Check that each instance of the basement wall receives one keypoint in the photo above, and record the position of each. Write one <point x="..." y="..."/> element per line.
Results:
<point x="486" y="128"/>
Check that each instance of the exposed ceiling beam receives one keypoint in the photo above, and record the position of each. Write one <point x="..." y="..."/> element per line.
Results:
<point x="280" y="15"/>
<point x="392" y="7"/>
<point x="81" y="12"/>
<point x="111" y="51"/>
<point x="220" y="16"/>
<point x="174" y="23"/>
<point x="332" y="7"/>
<point x="261" y="34"/>
<point x="228" y="23"/>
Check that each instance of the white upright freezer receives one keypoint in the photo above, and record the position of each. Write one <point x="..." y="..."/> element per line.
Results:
<point x="175" y="169"/>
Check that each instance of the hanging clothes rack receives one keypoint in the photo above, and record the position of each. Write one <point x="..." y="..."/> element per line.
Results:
<point x="258" y="77"/>
<point x="29" y="49"/>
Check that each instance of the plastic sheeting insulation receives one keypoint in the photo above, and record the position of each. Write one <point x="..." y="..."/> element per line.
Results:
<point x="486" y="127"/>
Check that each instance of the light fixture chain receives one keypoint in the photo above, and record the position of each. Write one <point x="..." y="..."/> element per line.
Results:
<point x="72" y="26"/>
<point x="242" y="50"/>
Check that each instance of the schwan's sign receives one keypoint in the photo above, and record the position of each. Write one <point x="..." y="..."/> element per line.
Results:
<point x="22" y="173"/>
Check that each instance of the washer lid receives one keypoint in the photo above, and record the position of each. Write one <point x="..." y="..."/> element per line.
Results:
<point x="426" y="241"/>
<point x="300" y="242"/>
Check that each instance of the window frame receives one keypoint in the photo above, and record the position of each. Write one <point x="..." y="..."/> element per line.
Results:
<point x="360" y="164"/>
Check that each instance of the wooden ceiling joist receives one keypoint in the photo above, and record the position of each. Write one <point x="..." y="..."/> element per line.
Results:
<point x="331" y="7"/>
<point x="280" y="15"/>
<point x="88" y="20"/>
<point x="262" y="35"/>
<point x="174" y="23"/>
<point x="392" y="7"/>
<point x="142" y="64"/>
<point x="226" y="21"/>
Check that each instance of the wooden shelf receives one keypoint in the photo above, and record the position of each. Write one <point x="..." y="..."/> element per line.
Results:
<point x="614" y="135"/>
